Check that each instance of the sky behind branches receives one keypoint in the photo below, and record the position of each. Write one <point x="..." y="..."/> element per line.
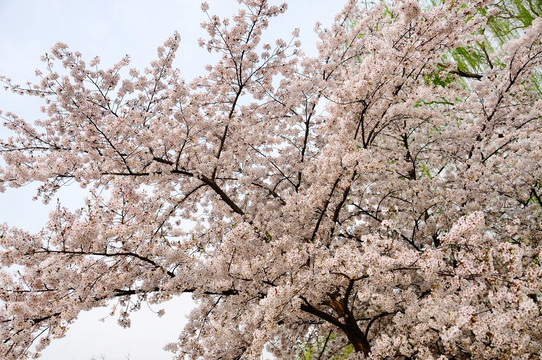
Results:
<point x="112" y="29"/>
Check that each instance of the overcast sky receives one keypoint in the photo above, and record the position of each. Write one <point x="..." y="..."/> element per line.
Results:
<point x="112" y="29"/>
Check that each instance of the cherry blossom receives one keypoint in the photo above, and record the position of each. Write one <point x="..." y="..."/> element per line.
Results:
<point x="346" y="199"/>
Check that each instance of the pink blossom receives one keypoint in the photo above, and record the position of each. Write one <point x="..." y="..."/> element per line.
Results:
<point x="348" y="196"/>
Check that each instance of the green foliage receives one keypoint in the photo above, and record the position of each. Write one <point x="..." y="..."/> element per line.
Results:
<point x="349" y="349"/>
<point x="316" y="348"/>
<point x="426" y="172"/>
<point x="506" y="19"/>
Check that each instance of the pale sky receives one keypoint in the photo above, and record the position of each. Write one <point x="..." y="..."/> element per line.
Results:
<point x="112" y="29"/>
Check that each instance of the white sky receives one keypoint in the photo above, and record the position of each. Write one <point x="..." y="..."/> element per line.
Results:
<point x="112" y="29"/>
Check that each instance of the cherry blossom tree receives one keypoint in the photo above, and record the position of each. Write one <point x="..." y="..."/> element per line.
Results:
<point x="377" y="197"/>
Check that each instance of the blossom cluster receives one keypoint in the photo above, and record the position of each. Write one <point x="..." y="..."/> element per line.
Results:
<point x="347" y="199"/>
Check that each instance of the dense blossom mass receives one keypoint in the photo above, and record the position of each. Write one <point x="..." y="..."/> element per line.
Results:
<point x="379" y="200"/>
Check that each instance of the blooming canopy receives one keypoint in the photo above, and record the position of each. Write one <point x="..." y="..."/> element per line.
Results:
<point x="379" y="200"/>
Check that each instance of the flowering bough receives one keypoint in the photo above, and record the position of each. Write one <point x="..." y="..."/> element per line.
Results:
<point x="350" y="200"/>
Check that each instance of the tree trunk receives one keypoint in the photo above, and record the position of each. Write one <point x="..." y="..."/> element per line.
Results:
<point x="357" y="337"/>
